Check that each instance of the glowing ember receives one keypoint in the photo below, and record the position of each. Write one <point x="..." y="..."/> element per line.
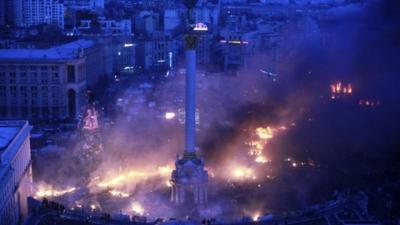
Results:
<point x="169" y="115"/>
<point x="137" y="208"/>
<point x="243" y="173"/>
<point x="48" y="192"/>
<point x="257" y="145"/>
<point x="338" y="89"/>
<point x="255" y="216"/>
<point x="264" y="133"/>
<point x="119" y="179"/>
<point x="369" y="103"/>
<point x="168" y="183"/>
<point x="261" y="159"/>
<point x="165" y="170"/>
<point x="119" y="194"/>
<point x="123" y="178"/>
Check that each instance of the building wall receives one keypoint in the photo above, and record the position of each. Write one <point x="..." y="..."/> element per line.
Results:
<point x="97" y="4"/>
<point x="94" y="64"/>
<point x="14" y="12"/>
<point x="204" y="50"/>
<point x="43" y="11"/>
<point x="15" y="176"/>
<point x="39" y="90"/>
<point x="2" y="12"/>
<point x="154" y="52"/>
<point x="172" y="19"/>
<point x="239" y="48"/>
<point x="84" y="4"/>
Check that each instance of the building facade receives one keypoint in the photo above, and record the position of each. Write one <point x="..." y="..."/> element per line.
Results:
<point x="13" y="12"/>
<point x="15" y="171"/>
<point x="238" y="48"/>
<point x="45" y="84"/>
<point x="2" y="12"/>
<point x="154" y="52"/>
<point x="43" y="12"/>
<point x="84" y="4"/>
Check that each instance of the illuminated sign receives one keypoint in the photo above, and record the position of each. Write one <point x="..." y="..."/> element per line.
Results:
<point x="200" y="27"/>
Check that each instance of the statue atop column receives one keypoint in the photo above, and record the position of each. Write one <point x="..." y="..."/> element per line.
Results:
<point x="190" y="175"/>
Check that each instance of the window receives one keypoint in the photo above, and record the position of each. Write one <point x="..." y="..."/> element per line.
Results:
<point x="34" y="76"/>
<point x="3" y="91"/>
<point x="54" y="77"/>
<point x="24" y="111"/>
<point x="2" y="77"/>
<point x="13" y="76"/>
<point x="55" y="111"/>
<point x="43" y="77"/>
<point x="23" y="90"/>
<point x="71" y="73"/>
<point x="13" y="91"/>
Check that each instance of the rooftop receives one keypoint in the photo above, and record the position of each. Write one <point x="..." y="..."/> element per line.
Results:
<point x="7" y="134"/>
<point x="60" y="52"/>
<point x="9" y="129"/>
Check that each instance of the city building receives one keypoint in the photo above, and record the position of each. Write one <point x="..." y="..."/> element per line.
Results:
<point x="204" y="50"/>
<point x="43" y="12"/>
<point x="154" y="52"/>
<point x="15" y="171"/>
<point x="2" y="12"/>
<point x="116" y="26"/>
<point x="13" y="12"/>
<point x="48" y="83"/>
<point x="124" y="55"/>
<point x="173" y="18"/>
<point x="206" y="12"/>
<point x="146" y="22"/>
<point x="107" y="26"/>
<point x="84" y="4"/>
<point x="238" y="47"/>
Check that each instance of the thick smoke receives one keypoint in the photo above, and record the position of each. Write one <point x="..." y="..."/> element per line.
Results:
<point x="355" y="44"/>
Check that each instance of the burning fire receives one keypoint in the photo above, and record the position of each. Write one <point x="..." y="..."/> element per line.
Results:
<point x="241" y="172"/>
<point x="123" y="178"/>
<point x="255" y="216"/>
<point x="119" y="194"/>
<point x="48" y="192"/>
<point x="169" y="115"/>
<point x="257" y="146"/>
<point x="137" y="208"/>
<point x="338" y="89"/>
